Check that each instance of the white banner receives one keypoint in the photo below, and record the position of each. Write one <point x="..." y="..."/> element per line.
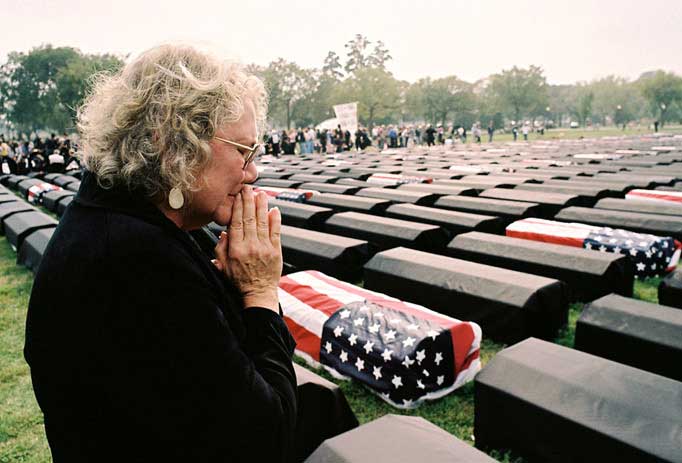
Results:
<point x="347" y="114"/>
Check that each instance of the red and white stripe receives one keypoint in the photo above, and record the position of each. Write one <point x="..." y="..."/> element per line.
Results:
<point x="274" y="191"/>
<point x="309" y="298"/>
<point x="36" y="191"/>
<point x="549" y="231"/>
<point x="670" y="197"/>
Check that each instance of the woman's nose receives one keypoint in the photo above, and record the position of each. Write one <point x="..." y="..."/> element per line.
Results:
<point x="251" y="173"/>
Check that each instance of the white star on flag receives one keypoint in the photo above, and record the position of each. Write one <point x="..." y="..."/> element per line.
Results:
<point x="328" y="347"/>
<point x="345" y="313"/>
<point x="397" y="381"/>
<point x="665" y="245"/>
<point x="588" y="246"/>
<point x="407" y="361"/>
<point x="387" y="355"/>
<point x="648" y="254"/>
<point x="420" y="385"/>
<point x="433" y="334"/>
<point x="439" y="358"/>
<point x="412" y="327"/>
<point x="633" y="252"/>
<point x="407" y="402"/>
<point x="374" y="328"/>
<point x="409" y="341"/>
<point x="353" y="339"/>
<point x="338" y="330"/>
<point x="368" y="347"/>
<point x="440" y="380"/>
<point x="426" y="373"/>
<point x="617" y="250"/>
<point x="421" y="355"/>
<point x="343" y="356"/>
<point x="377" y="373"/>
<point x="653" y="266"/>
<point x="602" y="248"/>
<point x="640" y="266"/>
<point x="653" y="249"/>
<point x="358" y="321"/>
<point x="390" y="335"/>
<point x="360" y="364"/>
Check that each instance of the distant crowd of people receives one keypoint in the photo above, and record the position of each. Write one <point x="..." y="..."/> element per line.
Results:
<point x="50" y="155"/>
<point x="310" y="140"/>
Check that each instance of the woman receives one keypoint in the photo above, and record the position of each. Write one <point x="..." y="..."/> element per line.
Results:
<point x="141" y="348"/>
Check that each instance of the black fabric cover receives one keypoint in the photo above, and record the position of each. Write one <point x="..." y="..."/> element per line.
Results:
<point x="63" y="180"/>
<point x="475" y="184"/>
<point x="361" y="183"/>
<point x="301" y="215"/>
<point x="442" y="190"/>
<point x="588" y="274"/>
<point x="330" y="188"/>
<point x="19" y="226"/>
<point x="323" y="412"/>
<point x="74" y="186"/>
<point x="11" y="208"/>
<point x="334" y="255"/>
<point x="453" y="221"/>
<point x="587" y="195"/>
<point x="394" y="439"/>
<point x="384" y="233"/>
<point x="63" y="204"/>
<point x="551" y="403"/>
<point x="52" y="198"/>
<point x="636" y="333"/>
<point x="343" y="203"/>
<point x="32" y="249"/>
<point x="14" y="180"/>
<point x="633" y="205"/>
<point x="277" y="183"/>
<point x="8" y="198"/>
<point x="508" y="305"/>
<point x="399" y="196"/>
<point x="512" y="210"/>
<point x="50" y="177"/>
<point x="550" y="203"/>
<point x="660" y="225"/>
<point x="670" y="289"/>
<point x="275" y="175"/>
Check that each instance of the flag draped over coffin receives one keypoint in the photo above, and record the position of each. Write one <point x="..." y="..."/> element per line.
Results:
<point x="404" y="352"/>
<point x="651" y="255"/>
<point x="659" y="196"/>
<point x="36" y="192"/>
<point x="286" y="194"/>
<point x="396" y="179"/>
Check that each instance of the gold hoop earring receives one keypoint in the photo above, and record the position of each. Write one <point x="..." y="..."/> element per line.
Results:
<point x="175" y="198"/>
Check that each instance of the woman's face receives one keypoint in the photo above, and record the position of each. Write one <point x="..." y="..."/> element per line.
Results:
<point x="224" y="176"/>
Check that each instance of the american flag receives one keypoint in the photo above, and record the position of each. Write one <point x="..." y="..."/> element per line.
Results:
<point x="404" y="352"/>
<point x="396" y="179"/>
<point x="286" y="194"/>
<point x="659" y="196"/>
<point x="650" y="255"/>
<point x="36" y="192"/>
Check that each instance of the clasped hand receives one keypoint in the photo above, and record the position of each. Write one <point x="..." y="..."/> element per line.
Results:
<point x="250" y="252"/>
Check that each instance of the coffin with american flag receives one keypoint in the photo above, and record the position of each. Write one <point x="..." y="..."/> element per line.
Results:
<point x="396" y="179"/>
<point x="651" y="255"/>
<point x="36" y="192"/>
<point x="286" y="194"/>
<point x="668" y="197"/>
<point x="403" y="352"/>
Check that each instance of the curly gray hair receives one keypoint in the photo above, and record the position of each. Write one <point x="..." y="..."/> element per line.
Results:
<point x="149" y="126"/>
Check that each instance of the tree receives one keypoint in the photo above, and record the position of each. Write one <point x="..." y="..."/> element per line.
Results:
<point x="661" y="89"/>
<point x="379" y="57"/>
<point x="584" y="103"/>
<point x="376" y="91"/>
<point x="436" y="99"/>
<point x="287" y="83"/>
<point x="520" y="92"/>
<point x="43" y="88"/>
<point x="356" y="51"/>
<point x="332" y="67"/>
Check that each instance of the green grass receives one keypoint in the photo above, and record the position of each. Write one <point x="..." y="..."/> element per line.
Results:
<point x="572" y="134"/>
<point x="22" y="436"/>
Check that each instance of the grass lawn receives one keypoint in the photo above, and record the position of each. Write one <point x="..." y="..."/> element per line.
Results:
<point x="22" y="437"/>
<point x="572" y="134"/>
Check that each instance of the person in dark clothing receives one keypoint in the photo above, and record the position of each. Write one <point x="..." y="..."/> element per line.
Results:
<point x="491" y="131"/>
<point x="165" y="355"/>
<point x="430" y="135"/>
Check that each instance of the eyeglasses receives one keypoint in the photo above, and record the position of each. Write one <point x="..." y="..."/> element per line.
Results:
<point x="251" y="151"/>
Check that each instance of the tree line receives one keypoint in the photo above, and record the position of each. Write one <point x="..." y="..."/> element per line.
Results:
<point x="43" y="88"/>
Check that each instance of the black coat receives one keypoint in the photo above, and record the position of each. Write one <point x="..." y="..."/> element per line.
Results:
<point x="140" y="350"/>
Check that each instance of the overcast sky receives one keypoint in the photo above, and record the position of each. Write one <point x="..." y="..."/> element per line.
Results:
<point x="572" y="40"/>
